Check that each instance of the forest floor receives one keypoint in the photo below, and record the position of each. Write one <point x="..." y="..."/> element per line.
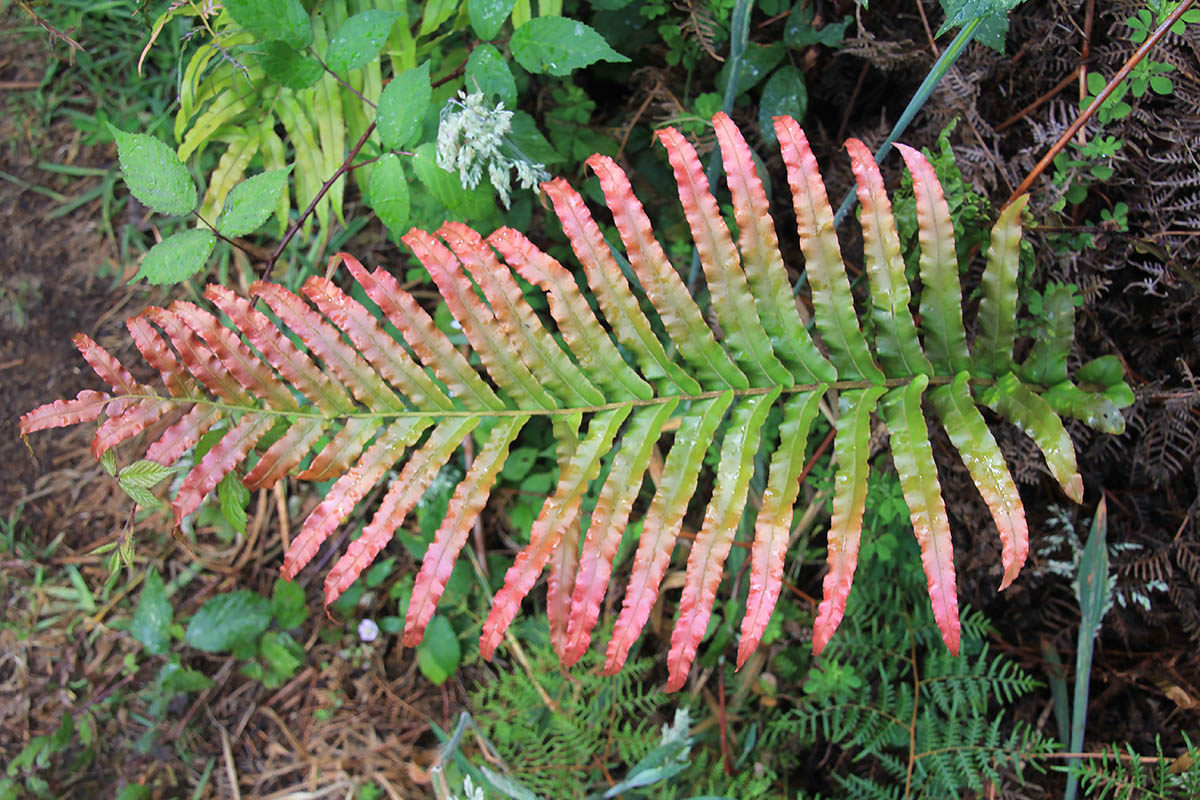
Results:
<point x="358" y="713"/>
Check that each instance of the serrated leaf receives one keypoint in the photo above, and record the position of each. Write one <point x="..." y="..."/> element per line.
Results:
<point x="143" y="497"/>
<point x="154" y="174"/>
<point x="488" y="72"/>
<point x="282" y="655"/>
<point x="446" y="187"/>
<point x="359" y="40"/>
<point x="387" y="194"/>
<point x="252" y="202"/>
<point x="175" y="678"/>
<point x="439" y="653"/>
<point x="285" y="20"/>
<point x="402" y="107"/>
<point x="287" y="604"/>
<point x="288" y="66"/>
<point x="558" y="46"/>
<point x="178" y="257"/>
<point x="228" y="621"/>
<point x="151" y="624"/>
<point x="487" y="16"/>
<point x="144" y="474"/>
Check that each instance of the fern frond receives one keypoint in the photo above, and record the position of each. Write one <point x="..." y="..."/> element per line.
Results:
<point x="317" y="388"/>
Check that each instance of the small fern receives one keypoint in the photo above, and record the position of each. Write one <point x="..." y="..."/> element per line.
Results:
<point x="914" y="721"/>
<point x="356" y="402"/>
<point x="1124" y="775"/>
<point x="597" y="720"/>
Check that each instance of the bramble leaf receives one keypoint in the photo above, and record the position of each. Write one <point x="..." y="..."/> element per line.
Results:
<point x="559" y="46"/>
<point x="359" y="40"/>
<point x="177" y="258"/>
<point x="154" y="174"/>
<point x="284" y="20"/>
<point x="402" y="107"/>
<point x="251" y="203"/>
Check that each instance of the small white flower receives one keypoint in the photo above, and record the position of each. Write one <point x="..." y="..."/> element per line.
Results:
<point x="368" y="631"/>
<point x="471" y="137"/>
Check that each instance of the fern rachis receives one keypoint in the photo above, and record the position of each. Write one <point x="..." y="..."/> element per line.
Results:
<point x="372" y="402"/>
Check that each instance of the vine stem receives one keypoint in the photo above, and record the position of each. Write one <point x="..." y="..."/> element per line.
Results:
<point x="1094" y="106"/>
<point x="325" y="187"/>
<point x="341" y="170"/>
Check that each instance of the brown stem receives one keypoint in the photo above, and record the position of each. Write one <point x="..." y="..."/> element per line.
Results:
<point x="325" y="187"/>
<point x="1088" y="112"/>
<point x="341" y="80"/>
<point x="1036" y="104"/>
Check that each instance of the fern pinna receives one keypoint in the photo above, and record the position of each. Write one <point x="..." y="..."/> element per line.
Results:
<point x="369" y="401"/>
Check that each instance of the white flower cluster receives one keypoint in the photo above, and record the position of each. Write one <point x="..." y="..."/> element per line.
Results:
<point x="472" y="136"/>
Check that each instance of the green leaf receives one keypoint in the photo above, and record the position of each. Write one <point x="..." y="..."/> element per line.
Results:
<point x="1095" y="409"/>
<point x="998" y="309"/>
<point x="288" y="606"/>
<point x="785" y="93"/>
<point x="799" y="31"/>
<point x="557" y="46"/>
<point x="252" y="202"/>
<point x="177" y="257"/>
<point x="402" y="107"/>
<point x="525" y="135"/>
<point x="283" y="656"/>
<point x="359" y="40"/>
<point x="1104" y="372"/>
<point x="175" y="678"/>
<point x="488" y="72"/>
<point x="994" y="13"/>
<point x="387" y="194"/>
<point x="285" y="20"/>
<point x="143" y="497"/>
<point x="434" y="13"/>
<point x="154" y="174"/>
<point x="755" y="64"/>
<point x="288" y="66"/>
<point x="144" y="474"/>
<point x="233" y="496"/>
<point x="446" y="188"/>
<point x="151" y="623"/>
<point x="487" y="16"/>
<point x="439" y="653"/>
<point x="1015" y="402"/>
<point x="229" y="620"/>
<point x="1047" y="361"/>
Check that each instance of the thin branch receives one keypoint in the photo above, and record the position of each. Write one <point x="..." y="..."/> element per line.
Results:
<point x="50" y="29"/>
<point x="1094" y="106"/>
<point x="341" y="80"/>
<point x="325" y="187"/>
